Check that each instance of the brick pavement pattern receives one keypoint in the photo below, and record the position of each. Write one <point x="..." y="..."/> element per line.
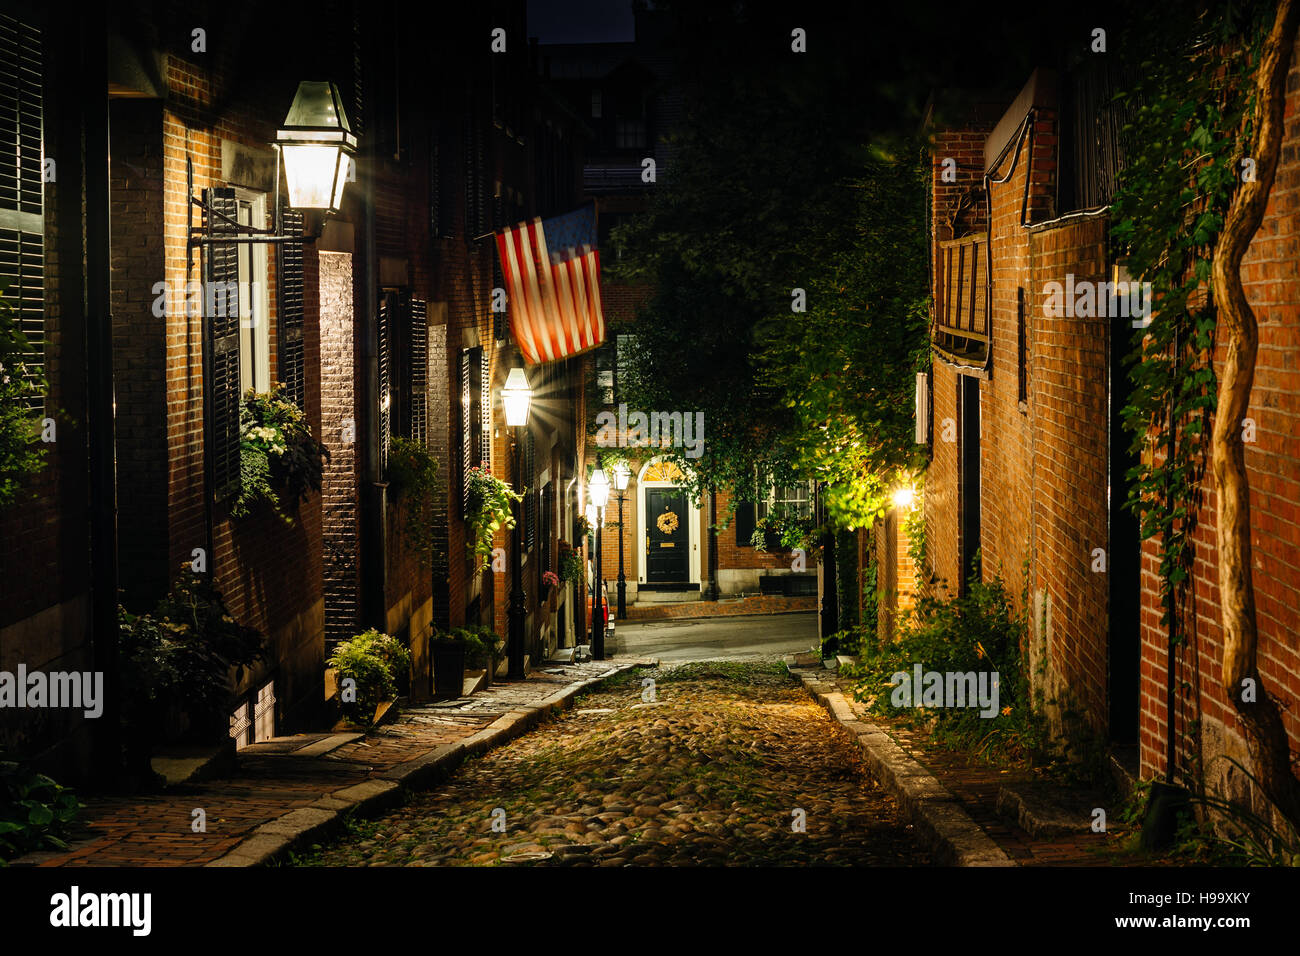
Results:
<point x="155" y="829"/>
<point x="708" y="773"/>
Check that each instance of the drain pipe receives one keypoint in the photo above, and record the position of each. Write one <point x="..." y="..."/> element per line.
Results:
<point x="99" y="397"/>
<point x="375" y="546"/>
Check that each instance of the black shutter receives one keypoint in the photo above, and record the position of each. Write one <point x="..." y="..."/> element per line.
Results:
<point x="485" y="407"/>
<point x="744" y="523"/>
<point x="528" y="479"/>
<point x="385" y="386"/>
<point x="419" y="372"/>
<point x="547" y="519"/>
<point x="291" y="310"/>
<point x="221" y="315"/>
<point x="499" y="324"/>
<point x="468" y="373"/>
<point x="22" y="218"/>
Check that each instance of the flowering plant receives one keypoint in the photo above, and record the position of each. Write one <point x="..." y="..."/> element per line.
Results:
<point x="487" y="511"/>
<point x="279" y="460"/>
<point x="550" y="579"/>
<point x="21" y="388"/>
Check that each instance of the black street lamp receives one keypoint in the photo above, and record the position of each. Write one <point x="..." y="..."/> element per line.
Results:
<point x="516" y="396"/>
<point x="621" y="475"/>
<point x="597" y="497"/>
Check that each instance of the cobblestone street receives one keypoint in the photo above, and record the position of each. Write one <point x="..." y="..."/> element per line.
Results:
<point x="720" y="769"/>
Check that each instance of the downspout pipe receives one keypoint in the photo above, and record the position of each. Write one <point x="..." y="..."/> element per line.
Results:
<point x="99" y="394"/>
<point x="374" y="532"/>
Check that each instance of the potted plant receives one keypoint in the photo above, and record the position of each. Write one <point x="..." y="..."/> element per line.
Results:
<point x="372" y="661"/>
<point x="20" y="427"/>
<point x="448" y="665"/>
<point x="488" y="510"/>
<point x="180" y="658"/>
<point x="570" y="564"/>
<point x="551" y="580"/>
<point x="280" y="462"/>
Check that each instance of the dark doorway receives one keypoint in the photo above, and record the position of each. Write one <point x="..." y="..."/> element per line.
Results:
<point x="668" y="539"/>
<point x="968" y="403"/>
<point x="1123" y="555"/>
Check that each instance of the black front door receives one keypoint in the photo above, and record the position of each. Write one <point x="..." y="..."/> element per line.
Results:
<point x="668" y="538"/>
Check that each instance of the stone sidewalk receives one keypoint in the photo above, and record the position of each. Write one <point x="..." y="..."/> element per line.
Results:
<point x="972" y="814"/>
<point x="291" y="790"/>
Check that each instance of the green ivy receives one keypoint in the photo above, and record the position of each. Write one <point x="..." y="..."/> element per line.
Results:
<point x="1192" y="129"/>
<point x="35" y="812"/>
<point x="490" y="509"/>
<point x="413" y="476"/>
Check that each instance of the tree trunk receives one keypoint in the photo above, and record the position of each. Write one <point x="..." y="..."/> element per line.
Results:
<point x="1265" y="733"/>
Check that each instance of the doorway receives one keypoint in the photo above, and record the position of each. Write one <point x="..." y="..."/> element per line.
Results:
<point x="668" y="545"/>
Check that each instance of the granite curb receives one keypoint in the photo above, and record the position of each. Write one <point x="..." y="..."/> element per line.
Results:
<point x="271" y="841"/>
<point x="939" y="818"/>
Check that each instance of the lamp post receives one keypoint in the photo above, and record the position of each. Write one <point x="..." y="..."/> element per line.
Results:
<point x="597" y="497"/>
<point x="621" y="475"/>
<point x="516" y="397"/>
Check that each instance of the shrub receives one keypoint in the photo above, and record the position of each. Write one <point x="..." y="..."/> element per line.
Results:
<point x="373" y="660"/>
<point x="182" y="655"/>
<point x="480" y="645"/>
<point x="413" y="474"/>
<point x="21" y="452"/>
<point x="35" y="812"/>
<point x="280" y="462"/>
<point x="977" y="632"/>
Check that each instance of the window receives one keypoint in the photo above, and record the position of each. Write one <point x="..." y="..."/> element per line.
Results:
<point x="254" y="300"/>
<point x="22" y="219"/>
<point x="613" y="363"/>
<point x="791" y="501"/>
<point x="1022" y="347"/>
<point x="744" y="520"/>
<point x="595" y="104"/>
<point x="629" y="134"/>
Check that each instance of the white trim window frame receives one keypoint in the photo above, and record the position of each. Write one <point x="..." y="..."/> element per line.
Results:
<point x="254" y="298"/>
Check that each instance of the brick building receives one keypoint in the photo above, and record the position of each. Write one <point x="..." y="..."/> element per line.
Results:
<point x="377" y="321"/>
<point x="1027" y="477"/>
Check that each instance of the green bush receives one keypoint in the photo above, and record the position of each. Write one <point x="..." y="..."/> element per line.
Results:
<point x="373" y="660"/>
<point x="21" y="451"/>
<point x="480" y="646"/>
<point x="35" y="812"/>
<point x="977" y="632"/>
<point x="181" y="655"/>
<point x="570" y="564"/>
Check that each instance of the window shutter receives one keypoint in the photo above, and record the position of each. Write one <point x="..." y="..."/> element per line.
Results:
<point x="22" y="217"/>
<point x="385" y="386"/>
<point x="221" y="311"/>
<point x="548" y="517"/>
<point x="529" y="479"/>
<point x="744" y="523"/>
<point x="499" y="323"/>
<point x="467" y="375"/>
<point x="291" y="309"/>
<point x="485" y="406"/>
<point x="419" y="366"/>
<point x="922" y="408"/>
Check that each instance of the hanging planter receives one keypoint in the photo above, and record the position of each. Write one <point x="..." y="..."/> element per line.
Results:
<point x="280" y="463"/>
<point x="489" y="510"/>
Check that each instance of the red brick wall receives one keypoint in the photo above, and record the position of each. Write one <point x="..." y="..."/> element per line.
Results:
<point x="1273" y="463"/>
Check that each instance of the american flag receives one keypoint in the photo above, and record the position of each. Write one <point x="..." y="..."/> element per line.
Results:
<point x="552" y="274"/>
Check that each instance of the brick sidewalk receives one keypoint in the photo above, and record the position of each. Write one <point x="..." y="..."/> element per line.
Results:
<point x="758" y="604"/>
<point x="272" y="780"/>
<point x="976" y="786"/>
